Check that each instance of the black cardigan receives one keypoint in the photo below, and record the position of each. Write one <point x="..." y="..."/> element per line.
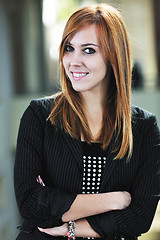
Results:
<point x="57" y="157"/>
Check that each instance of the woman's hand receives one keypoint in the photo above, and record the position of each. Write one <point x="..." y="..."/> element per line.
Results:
<point x="82" y="229"/>
<point x="56" y="231"/>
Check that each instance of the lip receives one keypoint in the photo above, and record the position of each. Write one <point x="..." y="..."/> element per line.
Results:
<point x="78" y="75"/>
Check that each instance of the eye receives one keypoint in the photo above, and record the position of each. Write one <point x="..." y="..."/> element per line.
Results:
<point x="68" y="48"/>
<point x="89" y="50"/>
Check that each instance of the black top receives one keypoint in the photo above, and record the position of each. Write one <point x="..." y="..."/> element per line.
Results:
<point x="57" y="157"/>
<point x="94" y="161"/>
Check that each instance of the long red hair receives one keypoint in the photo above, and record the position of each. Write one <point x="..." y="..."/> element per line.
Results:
<point x="68" y="112"/>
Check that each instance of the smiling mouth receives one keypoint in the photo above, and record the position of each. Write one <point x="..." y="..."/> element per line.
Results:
<point x="78" y="75"/>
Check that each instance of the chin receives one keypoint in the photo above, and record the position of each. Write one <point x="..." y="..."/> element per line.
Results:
<point x="77" y="89"/>
<point x="80" y="90"/>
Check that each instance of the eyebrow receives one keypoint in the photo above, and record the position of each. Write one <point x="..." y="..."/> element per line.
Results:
<point x="85" y="44"/>
<point x="89" y="44"/>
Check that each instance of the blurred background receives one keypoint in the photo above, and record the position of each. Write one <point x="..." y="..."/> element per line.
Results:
<point x="30" y="33"/>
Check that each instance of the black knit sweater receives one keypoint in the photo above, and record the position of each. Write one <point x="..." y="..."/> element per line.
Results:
<point x="57" y="158"/>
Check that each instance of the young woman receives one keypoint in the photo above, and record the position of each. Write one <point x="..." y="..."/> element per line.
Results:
<point x="87" y="163"/>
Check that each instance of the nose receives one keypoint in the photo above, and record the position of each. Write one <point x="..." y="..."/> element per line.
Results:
<point x="76" y="59"/>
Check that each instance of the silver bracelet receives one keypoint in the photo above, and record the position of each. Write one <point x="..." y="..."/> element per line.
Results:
<point x="71" y="231"/>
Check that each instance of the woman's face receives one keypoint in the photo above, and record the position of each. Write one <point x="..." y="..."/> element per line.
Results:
<point x="84" y="63"/>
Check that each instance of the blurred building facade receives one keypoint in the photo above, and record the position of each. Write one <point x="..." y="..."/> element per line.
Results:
<point x="30" y="33"/>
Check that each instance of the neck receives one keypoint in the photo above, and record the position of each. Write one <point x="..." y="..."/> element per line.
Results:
<point x="92" y="103"/>
<point x="93" y="106"/>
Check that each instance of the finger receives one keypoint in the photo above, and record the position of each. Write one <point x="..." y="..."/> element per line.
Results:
<point x="41" y="229"/>
<point x="39" y="179"/>
<point x="47" y="230"/>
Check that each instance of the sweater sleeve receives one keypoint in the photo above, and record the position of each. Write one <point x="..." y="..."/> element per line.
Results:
<point x="138" y="216"/>
<point x="41" y="205"/>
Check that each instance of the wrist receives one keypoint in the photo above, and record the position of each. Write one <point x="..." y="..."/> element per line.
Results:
<point x="65" y="230"/>
<point x="71" y="231"/>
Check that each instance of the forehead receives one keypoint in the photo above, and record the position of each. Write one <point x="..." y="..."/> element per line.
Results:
<point x="87" y="34"/>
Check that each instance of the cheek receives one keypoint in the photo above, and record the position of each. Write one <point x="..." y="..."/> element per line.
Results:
<point x="97" y="64"/>
<point x="102" y="65"/>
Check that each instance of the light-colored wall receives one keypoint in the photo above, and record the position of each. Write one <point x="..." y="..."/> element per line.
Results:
<point x="8" y="213"/>
<point x="149" y="101"/>
<point x="139" y="18"/>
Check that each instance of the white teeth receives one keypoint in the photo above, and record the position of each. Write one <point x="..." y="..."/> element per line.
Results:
<point x="79" y="74"/>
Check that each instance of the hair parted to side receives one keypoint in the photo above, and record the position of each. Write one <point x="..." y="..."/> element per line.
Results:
<point x="68" y="112"/>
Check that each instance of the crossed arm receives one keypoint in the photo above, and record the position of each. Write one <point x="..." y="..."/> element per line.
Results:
<point x="84" y="206"/>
